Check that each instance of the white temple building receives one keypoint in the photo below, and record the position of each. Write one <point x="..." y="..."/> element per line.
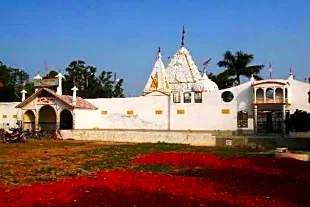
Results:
<point x="176" y="97"/>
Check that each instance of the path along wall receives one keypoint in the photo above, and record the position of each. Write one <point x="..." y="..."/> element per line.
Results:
<point x="143" y="136"/>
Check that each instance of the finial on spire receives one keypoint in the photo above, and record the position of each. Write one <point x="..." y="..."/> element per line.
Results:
<point x="183" y="34"/>
<point x="158" y="53"/>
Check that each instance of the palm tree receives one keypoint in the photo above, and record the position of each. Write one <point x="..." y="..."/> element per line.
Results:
<point x="238" y="65"/>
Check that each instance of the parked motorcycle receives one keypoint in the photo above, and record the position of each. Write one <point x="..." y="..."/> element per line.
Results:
<point x="16" y="136"/>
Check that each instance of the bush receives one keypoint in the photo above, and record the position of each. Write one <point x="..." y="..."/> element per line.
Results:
<point x="299" y="121"/>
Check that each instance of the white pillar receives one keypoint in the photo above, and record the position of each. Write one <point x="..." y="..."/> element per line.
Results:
<point x="37" y="78"/>
<point x="283" y="119"/>
<point x="264" y="95"/>
<point x="192" y="97"/>
<point x="23" y="92"/>
<point x="274" y="94"/>
<point x="182" y="96"/>
<point x="284" y="97"/>
<point x="74" y="89"/>
<point x="255" y="95"/>
<point x="59" y="88"/>
<point x="255" y="119"/>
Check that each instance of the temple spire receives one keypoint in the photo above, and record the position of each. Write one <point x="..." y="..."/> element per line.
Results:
<point x="157" y="80"/>
<point x="183" y="35"/>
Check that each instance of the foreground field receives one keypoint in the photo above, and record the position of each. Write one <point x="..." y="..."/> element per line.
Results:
<point x="106" y="174"/>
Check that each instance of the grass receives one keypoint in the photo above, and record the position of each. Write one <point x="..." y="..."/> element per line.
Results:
<point x="47" y="160"/>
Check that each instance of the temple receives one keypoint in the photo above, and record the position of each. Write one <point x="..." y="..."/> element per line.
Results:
<point x="176" y="97"/>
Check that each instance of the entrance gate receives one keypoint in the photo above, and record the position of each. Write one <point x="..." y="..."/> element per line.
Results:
<point x="269" y="122"/>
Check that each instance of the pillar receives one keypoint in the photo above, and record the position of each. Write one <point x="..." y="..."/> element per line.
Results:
<point x="74" y="89"/>
<point x="264" y="95"/>
<point x="36" y="117"/>
<point x="182" y="97"/>
<point x="255" y="94"/>
<point x="283" y="119"/>
<point x="284" y="97"/>
<point x="255" y="119"/>
<point x="59" y="88"/>
<point x="192" y="97"/>
<point x="73" y="119"/>
<point x="23" y="92"/>
<point x="274" y="94"/>
<point x="57" y="119"/>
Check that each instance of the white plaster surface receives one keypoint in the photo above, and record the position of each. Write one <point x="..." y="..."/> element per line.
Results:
<point x="142" y="136"/>
<point x="8" y="109"/>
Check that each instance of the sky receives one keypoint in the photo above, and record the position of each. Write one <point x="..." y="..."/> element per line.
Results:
<point x="124" y="35"/>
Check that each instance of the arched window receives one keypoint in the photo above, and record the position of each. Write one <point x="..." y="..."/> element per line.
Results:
<point x="309" y="97"/>
<point x="242" y="119"/>
<point x="269" y="93"/>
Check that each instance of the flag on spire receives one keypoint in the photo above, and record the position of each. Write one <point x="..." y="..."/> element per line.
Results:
<point x="206" y="62"/>
<point x="270" y="70"/>
<point x="183" y="34"/>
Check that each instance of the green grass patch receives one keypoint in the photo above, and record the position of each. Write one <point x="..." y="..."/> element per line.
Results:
<point x="119" y="156"/>
<point x="167" y="169"/>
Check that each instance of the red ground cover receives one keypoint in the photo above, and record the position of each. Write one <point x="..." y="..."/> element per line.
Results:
<point x="260" y="176"/>
<point x="254" y="181"/>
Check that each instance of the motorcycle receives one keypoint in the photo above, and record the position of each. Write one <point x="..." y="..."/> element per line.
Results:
<point x="16" y="136"/>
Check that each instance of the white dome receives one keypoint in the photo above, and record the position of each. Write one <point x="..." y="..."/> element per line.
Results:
<point x="205" y="84"/>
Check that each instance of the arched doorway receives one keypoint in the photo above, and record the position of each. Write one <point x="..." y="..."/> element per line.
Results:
<point x="66" y="120"/>
<point x="29" y="120"/>
<point x="47" y="118"/>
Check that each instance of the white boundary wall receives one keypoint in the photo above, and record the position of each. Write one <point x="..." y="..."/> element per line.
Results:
<point x="141" y="136"/>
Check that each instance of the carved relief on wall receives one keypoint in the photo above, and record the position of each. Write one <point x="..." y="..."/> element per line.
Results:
<point x="46" y="100"/>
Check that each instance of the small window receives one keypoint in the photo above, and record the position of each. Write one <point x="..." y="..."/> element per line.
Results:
<point x="176" y="98"/>
<point x="309" y="97"/>
<point x="187" y="97"/>
<point x="227" y="96"/>
<point x="242" y="119"/>
<point x="198" y="97"/>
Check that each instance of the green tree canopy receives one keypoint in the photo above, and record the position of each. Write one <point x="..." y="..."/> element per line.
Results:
<point x="238" y="65"/>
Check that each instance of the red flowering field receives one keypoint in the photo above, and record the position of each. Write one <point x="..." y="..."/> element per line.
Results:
<point x="96" y="174"/>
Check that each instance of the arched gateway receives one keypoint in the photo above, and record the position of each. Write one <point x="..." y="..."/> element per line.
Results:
<point x="47" y="118"/>
<point x="50" y="110"/>
<point x="66" y="119"/>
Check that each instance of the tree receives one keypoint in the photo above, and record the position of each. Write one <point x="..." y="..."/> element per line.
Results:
<point x="84" y="78"/>
<point x="118" y="91"/>
<point x="222" y="80"/>
<point x="51" y="74"/>
<point x="238" y="65"/>
<point x="13" y="80"/>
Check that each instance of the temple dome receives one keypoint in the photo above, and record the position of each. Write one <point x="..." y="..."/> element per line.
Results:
<point x="205" y="85"/>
